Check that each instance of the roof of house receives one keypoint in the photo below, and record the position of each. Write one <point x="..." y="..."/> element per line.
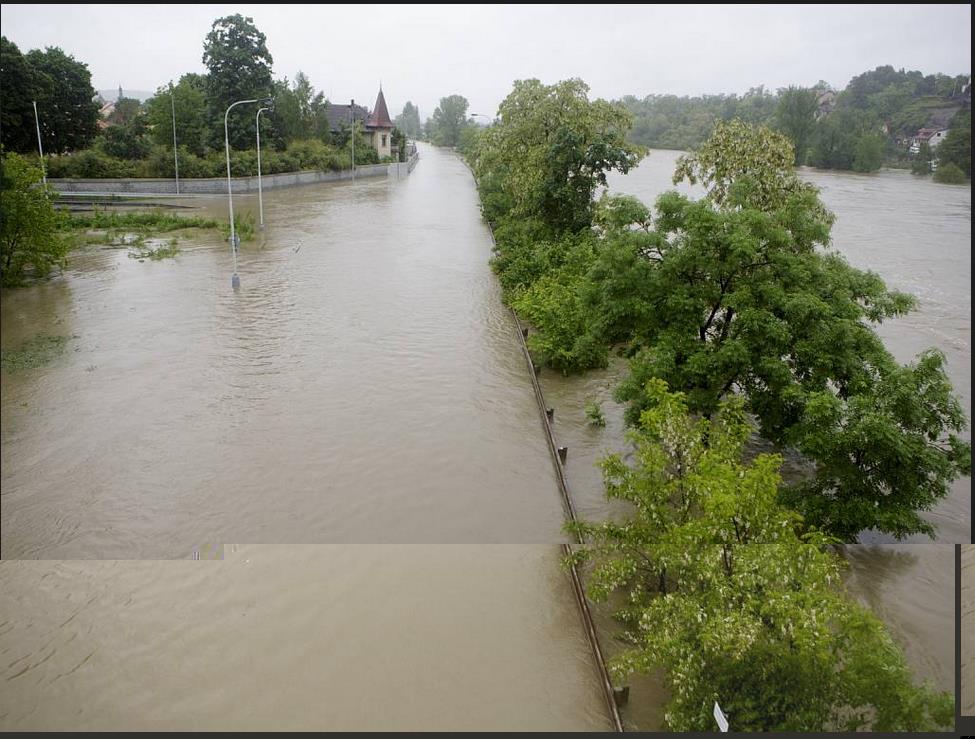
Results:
<point x="380" y="114"/>
<point x="926" y="133"/>
<point x="339" y="115"/>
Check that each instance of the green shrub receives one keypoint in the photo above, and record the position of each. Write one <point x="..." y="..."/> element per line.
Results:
<point x="950" y="174"/>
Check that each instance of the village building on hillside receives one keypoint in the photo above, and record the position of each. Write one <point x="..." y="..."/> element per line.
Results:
<point x="376" y="125"/>
<point x="930" y="136"/>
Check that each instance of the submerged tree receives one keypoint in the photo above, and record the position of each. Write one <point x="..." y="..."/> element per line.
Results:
<point x="722" y="591"/>
<point x="796" y="118"/>
<point x="29" y="237"/>
<point x="736" y="293"/>
<point x="550" y="150"/>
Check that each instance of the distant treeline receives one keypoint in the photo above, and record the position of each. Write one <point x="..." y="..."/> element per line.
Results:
<point x="869" y="123"/>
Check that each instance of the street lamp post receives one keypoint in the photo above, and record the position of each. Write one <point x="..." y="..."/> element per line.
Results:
<point x="352" y="113"/>
<point x="235" y="280"/>
<point x="172" y="99"/>
<point x="260" y="191"/>
<point x="40" y="149"/>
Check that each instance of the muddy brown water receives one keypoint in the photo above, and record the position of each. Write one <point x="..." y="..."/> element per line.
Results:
<point x="915" y="234"/>
<point x="359" y="413"/>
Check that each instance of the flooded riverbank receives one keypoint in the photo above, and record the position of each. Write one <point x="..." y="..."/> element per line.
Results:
<point x="916" y="235"/>
<point x="364" y="393"/>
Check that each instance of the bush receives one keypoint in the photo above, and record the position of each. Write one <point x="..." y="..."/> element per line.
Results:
<point x="304" y="155"/>
<point x="950" y="174"/>
<point x="29" y="237"/>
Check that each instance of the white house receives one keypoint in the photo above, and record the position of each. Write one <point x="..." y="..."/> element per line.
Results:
<point x="930" y="136"/>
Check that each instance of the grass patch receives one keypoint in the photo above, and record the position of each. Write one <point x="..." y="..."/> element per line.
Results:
<point x="166" y="251"/>
<point x="115" y="229"/>
<point x="146" y="222"/>
<point x="243" y="225"/>
<point x="36" y="352"/>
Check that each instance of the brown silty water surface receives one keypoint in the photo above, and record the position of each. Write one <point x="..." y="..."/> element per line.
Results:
<point x="359" y="412"/>
<point x="363" y="386"/>
<point x="916" y="235"/>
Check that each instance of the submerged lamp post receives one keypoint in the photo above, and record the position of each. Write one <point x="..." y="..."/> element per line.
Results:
<point x="260" y="191"/>
<point x="40" y="149"/>
<point x="234" y="240"/>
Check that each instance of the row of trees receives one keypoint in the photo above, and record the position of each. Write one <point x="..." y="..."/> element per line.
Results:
<point x="239" y="66"/>
<point x="735" y="303"/>
<point x="874" y="117"/>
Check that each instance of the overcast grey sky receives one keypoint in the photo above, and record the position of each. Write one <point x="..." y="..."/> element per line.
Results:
<point x="424" y="52"/>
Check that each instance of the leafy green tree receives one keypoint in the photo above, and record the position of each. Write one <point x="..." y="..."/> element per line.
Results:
<point x="409" y="120"/>
<point x="192" y="125"/>
<point x="723" y="592"/>
<point x="238" y="63"/>
<point x="126" y="109"/>
<point x="29" y="237"/>
<point x="847" y="139"/>
<point x="868" y="154"/>
<point x="957" y="147"/>
<point x="551" y="150"/>
<point x="17" y="91"/>
<point x="299" y="112"/>
<point x="449" y="118"/>
<point x="796" y="118"/>
<point x="127" y="141"/>
<point x="950" y="174"/>
<point x="65" y="100"/>
<point x="739" y="296"/>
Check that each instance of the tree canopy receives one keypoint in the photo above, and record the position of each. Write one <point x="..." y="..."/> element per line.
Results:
<point x="552" y="148"/>
<point x="409" y="120"/>
<point x="448" y="120"/>
<point x="65" y="100"/>
<point x="723" y="589"/>
<point x="738" y="293"/>
<point x="238" y="66"/>
<point x="29" y="238"/>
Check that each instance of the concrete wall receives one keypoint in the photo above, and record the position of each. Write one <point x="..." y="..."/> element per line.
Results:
<point x="218" y="186"/>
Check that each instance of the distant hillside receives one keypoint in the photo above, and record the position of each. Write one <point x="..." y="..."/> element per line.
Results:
<point x="897" y="101"/>
<point x="112" y="95"/>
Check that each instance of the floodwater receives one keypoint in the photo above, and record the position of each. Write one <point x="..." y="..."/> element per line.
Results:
<point x="916" y="234"/>
<point x="358" y="413"/>
<point x="365" y="385"/>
